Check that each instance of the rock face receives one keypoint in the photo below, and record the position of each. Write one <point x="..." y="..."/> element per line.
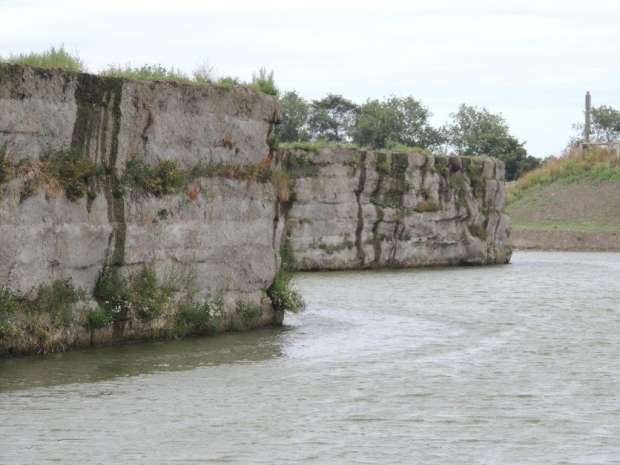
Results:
<point x="362" y="209"/>
<point x="215" y="230"/>
<point x="153" y="209"/>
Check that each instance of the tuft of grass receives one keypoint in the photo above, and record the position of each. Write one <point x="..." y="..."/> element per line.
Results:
<point x="147" y="298"/>
<point x="315" y="146"/>
<point x="97" y="318"/>
<point x="6" y="167"/>
<point x="264" y="82"/>
<point x="155" y="72"/>
<point x="282" y="295"/>
<point x="51" y="58"/>
<point x="248" y="313"/>
<point x="596" y="165"/>
<point x="426" y="206"/>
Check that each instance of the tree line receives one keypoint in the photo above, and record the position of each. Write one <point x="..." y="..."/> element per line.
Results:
<point x="399" y="122"/>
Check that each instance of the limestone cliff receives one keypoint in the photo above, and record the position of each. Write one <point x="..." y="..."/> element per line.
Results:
<point x="110" y="174"/>
<point x="352" y="208"/>
<point x="154" y="209"/>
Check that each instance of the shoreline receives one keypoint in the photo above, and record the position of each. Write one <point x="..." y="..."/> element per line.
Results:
<point x="565" y="241"/>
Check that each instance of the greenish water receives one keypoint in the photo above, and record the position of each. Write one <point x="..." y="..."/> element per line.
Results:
<point x="515" y="364"/>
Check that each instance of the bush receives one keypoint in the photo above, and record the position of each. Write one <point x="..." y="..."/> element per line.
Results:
<point x="72" y="170"/>
<point x="200" y="317"/>
<point x="249" y="313"/>
<point x="282" y="295"/>
<point x="112" y="294"/>
<point x="97" y="318"/>
<point x="164" y="179"/>
<point x="264" y="82"/>
<point x="50" y="58"/>
<point x="146" y="298"/>
<point x="56" y="300"/>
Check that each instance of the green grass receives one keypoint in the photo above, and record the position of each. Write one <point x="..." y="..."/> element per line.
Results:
<point x="147" y="73"/>
<point x="596" y="165"/>
<point x="315" y="146"/>
<point x="558" y="226"/>
<point x="51" y="58"/>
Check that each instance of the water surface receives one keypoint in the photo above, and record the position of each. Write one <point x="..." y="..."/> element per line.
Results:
<point x="516" y="364"/>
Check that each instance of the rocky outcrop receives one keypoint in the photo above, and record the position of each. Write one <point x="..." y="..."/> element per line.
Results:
<point x="154" y="209"/>
<point x="353" y="209"/>
<point x="209" y="234"/>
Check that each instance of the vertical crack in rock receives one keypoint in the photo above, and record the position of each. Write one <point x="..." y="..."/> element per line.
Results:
<point x="361" y="256"/>
<point x="98" y="120"/>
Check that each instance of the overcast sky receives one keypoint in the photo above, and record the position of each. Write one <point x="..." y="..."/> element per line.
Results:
<point x="532" y="61"/>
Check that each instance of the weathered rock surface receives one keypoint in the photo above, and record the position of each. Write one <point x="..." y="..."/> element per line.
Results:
<point x="221" y="232"/>
<point x="217" y="231"/>
<point x="363" y="209"/>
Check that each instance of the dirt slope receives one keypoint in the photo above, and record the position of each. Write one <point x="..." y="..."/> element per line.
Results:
<point x="583" y="215"/>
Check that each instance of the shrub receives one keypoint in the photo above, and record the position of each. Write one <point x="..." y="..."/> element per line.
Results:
<point x="264" y="82"/>
<point x="56" y="300"/>
<point x="249" y="313"/>
<point x="50" y="58"/>
<point x="112" y="294"/>
<point x="72" y="170"/>
<point x="163" y="179"/>
<point x="146" y="298"/>
<point x="97" y="318"/>
<point x="282" y="295"/>
<point x="200" y="317"/>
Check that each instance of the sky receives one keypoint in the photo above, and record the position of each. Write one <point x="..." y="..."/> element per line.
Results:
<point x="531" y="61"/>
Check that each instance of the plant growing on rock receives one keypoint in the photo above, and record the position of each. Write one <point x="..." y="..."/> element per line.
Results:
<point x="282" y="295"/>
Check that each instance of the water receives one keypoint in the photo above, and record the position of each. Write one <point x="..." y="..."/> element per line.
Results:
<point x="516" y="364"/>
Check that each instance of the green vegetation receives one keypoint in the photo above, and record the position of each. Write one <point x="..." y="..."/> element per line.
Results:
<point x="264" y="82"/>
<point x="595" y="165"/>
<point x="426" y="206"/>
<point x="282" y="295"/>
<point x="97" y="318"/>
<point x="50" y="58"/>
<point x="140" y="293"/>
<point x="49" y="309"/>
<point x="200" y="317"/>
<point x="71" y="170"/>
<point x="395" y="122"/>
<point x="475" y="132"/>
<point x="149" y="73"/>
<point x="248" y="314"/>
<point x="163" y="179"/>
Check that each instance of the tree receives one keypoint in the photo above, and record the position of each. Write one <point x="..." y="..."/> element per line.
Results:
<point x="332" y="118"/>
<point x="475" y="131"/>
<point x="606" y="123"/>
<point x="293" y="117"/>
<point x="404" y="121"/>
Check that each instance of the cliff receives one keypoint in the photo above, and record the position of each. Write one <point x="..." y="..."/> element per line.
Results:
<point x="154" y="209"/>
<point x="352" y="209"/>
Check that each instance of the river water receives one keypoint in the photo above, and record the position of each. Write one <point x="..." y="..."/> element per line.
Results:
<point x="516" y="364"/>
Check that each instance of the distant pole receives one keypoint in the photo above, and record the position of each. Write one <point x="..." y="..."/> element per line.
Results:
<point x="588" y="127"/>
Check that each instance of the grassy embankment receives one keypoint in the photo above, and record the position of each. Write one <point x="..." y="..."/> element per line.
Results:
<point x="572" y="202"/>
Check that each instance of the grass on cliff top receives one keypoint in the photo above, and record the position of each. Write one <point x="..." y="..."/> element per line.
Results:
<point x="50" y="58"/>
<point x="315" y="146"/>
<point x="596" y="165"/>
<point x="59" y="58"/>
